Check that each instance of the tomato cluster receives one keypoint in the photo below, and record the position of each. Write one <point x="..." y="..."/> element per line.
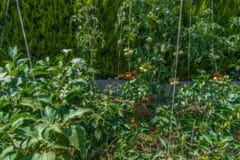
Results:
<point x="130" y="75"/>
<point x="145" y="100"/>
<point x="216" y="75"/>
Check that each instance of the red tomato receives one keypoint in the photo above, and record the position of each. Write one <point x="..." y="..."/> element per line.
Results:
<point x="149" y="97"/>
<point x="143" y="101"/>
<point x="217" y="75"/>
<point x="132" y="121"/>
<point x="128" y="76"/>
<point x="238" y="132"/>
<point x="152" y="129"/>
<point x="134" y="73"/>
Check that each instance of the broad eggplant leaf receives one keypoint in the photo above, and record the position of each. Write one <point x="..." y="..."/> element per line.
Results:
<point x="76" y="113"/>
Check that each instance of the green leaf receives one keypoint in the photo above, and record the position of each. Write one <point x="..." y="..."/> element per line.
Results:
<point x="97" y="134"/>
<point x="8" y="153"/>
<point x="40" y="73"/>
<point x="76" y="113"/>
<point x="29" y="142"/>
<point x="45" y="99"/>
<point x="13" y="52"/>
<point x="56" y="146"/>
<point x="21" y="61"/>
<point x="207" y="138"/>
<point x="27" y="102"/>
<point x="29" y="132"/>
<point x="18" y="119"/>
<point x="163" y="142"/>
<point x="78" y="138"/>
<point x="55" y="127"/>
<point x="49" y="114"/>
<point x="48" y="156"/>
<point x="37" y="156"/>
<point x="10" y="64"/>
<point x="227" y="139"/>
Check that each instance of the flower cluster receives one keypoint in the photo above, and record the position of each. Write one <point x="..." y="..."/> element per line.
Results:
<point x="144" y="67"/>
<point x="174" y="81"/>
<point x="128" y="52"/>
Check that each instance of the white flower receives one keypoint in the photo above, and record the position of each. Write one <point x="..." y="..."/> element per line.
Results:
<point x="5" y="78"/>
<point x="8" y="79"/>
<point x="2" y="76"/>
<point x="77" y="60"/>
<point x="62" y="94"/>
<point x="67" y="50"/>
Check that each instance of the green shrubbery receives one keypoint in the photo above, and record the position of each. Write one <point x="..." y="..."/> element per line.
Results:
<point x="49" y="30"/>
<point x="53" y="109"/>
<point x="47" y="26"/>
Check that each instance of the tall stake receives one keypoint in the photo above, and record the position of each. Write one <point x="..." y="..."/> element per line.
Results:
<point x="24" y="34"/>
<point x="175" y="76"/>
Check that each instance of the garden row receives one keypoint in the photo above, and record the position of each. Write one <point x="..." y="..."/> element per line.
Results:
<point x="54" y="111"/>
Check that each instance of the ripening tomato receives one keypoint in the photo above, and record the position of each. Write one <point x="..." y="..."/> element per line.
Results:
<point x="132" y="121"/>
<point x="134" y="73"/>
<point x="152" y="129"/>
<point x="238" y="132"/>
<point x="149" y="97"/>
<point x="128" y="76"/>
<point x="143" y="101"/>
<point x="216" y="75"/>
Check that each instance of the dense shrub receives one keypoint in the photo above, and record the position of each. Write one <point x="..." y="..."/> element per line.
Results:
<point x="53" y="111"/>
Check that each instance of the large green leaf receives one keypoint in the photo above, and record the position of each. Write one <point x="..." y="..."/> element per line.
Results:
<point x="18" y="119"/>
<point x="50" y="113"/>
<point x="48" y="156"/>
<point x="76" y="113"/>
<point x="27" y="102"/>
<point x="13" y="52"/>
<point x="45" y="99"/>
<point x="77" y="138"/>
<point x="37" y="156"/>
<point x="29" y="142"/>
<point x="8" y="153"/>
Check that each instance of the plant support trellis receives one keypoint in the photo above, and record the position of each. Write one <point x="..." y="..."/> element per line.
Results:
<point x="175" y="74"/>
<point x="22" y="27"/>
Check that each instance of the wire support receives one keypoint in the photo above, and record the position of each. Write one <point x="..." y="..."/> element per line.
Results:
<point x="129" y="29"/>
<point x="212" y="43"/>
<point x="189" y="40"/>
<point x="24" y="34"/>
<point x="119" y="52"/>
<point x="175" y="76"/>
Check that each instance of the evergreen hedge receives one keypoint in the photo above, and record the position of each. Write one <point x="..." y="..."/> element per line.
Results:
<point x="47" y="26"/>
<point x="49" y="30"/>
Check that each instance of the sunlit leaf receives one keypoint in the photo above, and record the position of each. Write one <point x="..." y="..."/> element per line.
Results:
<point x="76" y="114"/>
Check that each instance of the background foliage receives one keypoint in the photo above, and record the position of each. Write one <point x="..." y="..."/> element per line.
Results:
<point x="49" y="30"/>
<point x="46" y="23"/>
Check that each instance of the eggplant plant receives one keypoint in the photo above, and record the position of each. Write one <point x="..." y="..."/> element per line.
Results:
<point x="52" y="111"/>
